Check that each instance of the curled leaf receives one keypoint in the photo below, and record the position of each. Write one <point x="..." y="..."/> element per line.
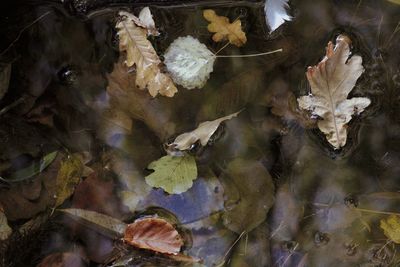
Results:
<point x="391" y="228"/>
<point x="140" y="52"/>
<point x="173" y="174"/>
<point x="331" y="82"/>
<point x="146" y="21"/>
<point x="154" y="234"/>
<point x="275" y="13"/>
<point x="223" y="29"/>
<point x="203" y="133"/>
<point x="189" y="62"/>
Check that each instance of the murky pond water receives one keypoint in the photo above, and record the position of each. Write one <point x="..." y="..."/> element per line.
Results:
<point x="76" y="133"/>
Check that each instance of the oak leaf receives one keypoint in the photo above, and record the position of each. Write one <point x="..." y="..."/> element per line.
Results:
<point x="331" y="82"/>
<point x="154" y="234"/>
<point x="202" y="133"/>
<point x="391" y="228"/>
<point x="189" y="62"/>
<point x="141" y="54"/>
<point x="223" y="29"/>
<point x="173" y="174"/>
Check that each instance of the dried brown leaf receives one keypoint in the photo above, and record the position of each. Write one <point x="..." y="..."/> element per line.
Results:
<point x="223" y="29"/>
<point x="155" y="234"/>
<point x="141" y="54"/>
<point x="331" y="82"/>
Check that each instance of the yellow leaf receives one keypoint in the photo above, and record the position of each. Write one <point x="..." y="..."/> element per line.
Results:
<point x="223" y="29"/>
<point x="140" y="52"/>
<point x="391" y="228"/>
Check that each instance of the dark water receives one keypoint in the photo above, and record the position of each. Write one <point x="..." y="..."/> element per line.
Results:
<point x="290" y="199"/>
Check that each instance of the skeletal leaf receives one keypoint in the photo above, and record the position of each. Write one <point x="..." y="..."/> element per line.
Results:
<point x="203" y="133"/>
<point x="141" y="54"/>
<point x="331" y="82"/>
<point x="391" y="228"/>
<point x="68" y="177"/>
<point x="154" y="234"/>
<point x="189" y="62"/>
<point x="276" y="14"/>
<point x="223" y="29"/>
<point x="173" y="174"/>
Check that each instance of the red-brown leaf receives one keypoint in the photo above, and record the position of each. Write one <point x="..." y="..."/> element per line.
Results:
<point x="154" y="234"/>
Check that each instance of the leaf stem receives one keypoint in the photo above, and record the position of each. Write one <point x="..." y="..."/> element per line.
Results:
<point x="251" y="55"/>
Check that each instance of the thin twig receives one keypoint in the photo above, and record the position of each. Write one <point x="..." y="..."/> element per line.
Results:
<point x="12" y="105"/>
<point x="24" y="29"/>
<point x="252" y="55"/>
<point x="222" y="48"/>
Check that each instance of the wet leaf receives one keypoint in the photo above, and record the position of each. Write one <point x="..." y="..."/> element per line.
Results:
<point x="154" y="234"/>
<point x="189" y="62"/>
<point x="5" y="74"/>
<point x="276" y="14"/>
<point x="99" y="222"/>
<point x="391" y="228"/>
<point x="202" y="133"/>
<point x="146" y="21"/>
<point x="69" y="175"/>
<point x="249" y="194"/>
<point x="5" y="230"/>
<point x="33" y="169"/>
<point x="331" y="82"/>
<point x="141" y="54"/>
<point x="223" y="29"/>
<point x="173" y="174"/>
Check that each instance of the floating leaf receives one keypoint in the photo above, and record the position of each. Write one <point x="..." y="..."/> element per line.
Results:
<point x="276" y="14"/>
<point x="391" y="228"/>
<point x="203" y="133"/>
<point x="173" y="174"/>
<point x="140" y="52"/>
<point x="223" y="29"/>
<point x="249" y="194"/>
<point x="33" y="169"/>
<point x="189" y="62"/>
<point x="146" y="21"/>
<point x="155" y="234"/>
<point x="102" y="223"/>
<point x="331" y="82"/>
<point x="68" y="177"/>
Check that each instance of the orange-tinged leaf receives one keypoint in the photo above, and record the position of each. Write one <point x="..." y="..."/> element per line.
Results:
<point x="223" y="29"/>
<point x="154" y="234"/>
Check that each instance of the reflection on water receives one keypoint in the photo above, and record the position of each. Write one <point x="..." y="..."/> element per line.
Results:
<point x="271" y="190"/>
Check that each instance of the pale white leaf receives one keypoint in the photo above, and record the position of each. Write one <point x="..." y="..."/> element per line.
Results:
<point x="276" y="13"/>
<point x="331" y="82"/>
<point x="203" y="133"/>
<point x="146" y="19"/>
<point x="189" y="62"/>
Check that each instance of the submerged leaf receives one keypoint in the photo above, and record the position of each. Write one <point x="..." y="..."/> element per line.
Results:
<point x="5" y="73"/>
<point x="5" y="230"/>
<point x="223" y="29"/>
<point x="203" y="133"/>
<point x="391" y="228"/>
<point x="189" y="62"/>
<point x="331" y="82"/>
<point x="173" y="174"/>
<point x="140" y="52"/>
<point x="99" y="222"/>
<point x="249" y="194"/>
<point x="155" y="234"/>
<point x="68" y="177"/>
<point x="276" y="14"/>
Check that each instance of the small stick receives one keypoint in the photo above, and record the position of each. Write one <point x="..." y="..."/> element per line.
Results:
<point x="251" y="55"/>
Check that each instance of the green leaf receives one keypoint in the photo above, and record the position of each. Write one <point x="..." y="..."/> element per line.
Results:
<point x="32" y="170"/>
<point x="173" y="174"/>
<point x="68" y="177"/>
<point x="104" y="224"/>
